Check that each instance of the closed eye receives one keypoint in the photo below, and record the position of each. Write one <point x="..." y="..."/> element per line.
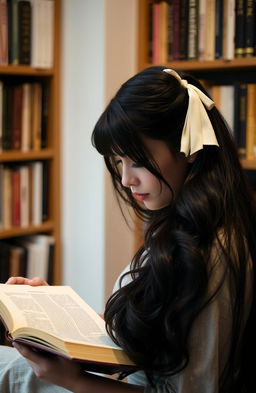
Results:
<point x="137" y="165"/>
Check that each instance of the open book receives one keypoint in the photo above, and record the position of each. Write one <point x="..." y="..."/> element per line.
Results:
<point x="56" y="319"/>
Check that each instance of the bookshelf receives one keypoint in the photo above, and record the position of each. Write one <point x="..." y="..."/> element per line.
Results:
<point x="209" y="72"/>
<point x="49" y="78"/>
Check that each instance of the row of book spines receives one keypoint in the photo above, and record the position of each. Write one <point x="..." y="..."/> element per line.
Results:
<point x="26" y="32"/>
<point x="23" y="116"/>
<point x="237" y="103"/>
<point x="27" y="256"/>
<point x="200" y="30"/>
<point x="23" y="195"/>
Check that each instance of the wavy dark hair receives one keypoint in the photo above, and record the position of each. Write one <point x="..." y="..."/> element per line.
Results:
<point x="152" y="315"/>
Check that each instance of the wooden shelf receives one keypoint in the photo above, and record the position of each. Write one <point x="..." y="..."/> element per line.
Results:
<point x="25" y="70"/>
<point x="248" y="164"/>
<point x="9" y="156"/>
<point x="13" y="232"/>
<point x="49" y="78"/>
<point x="213" y="65"/>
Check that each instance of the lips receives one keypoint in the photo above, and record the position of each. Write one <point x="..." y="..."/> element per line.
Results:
<point x="140" y="197"/>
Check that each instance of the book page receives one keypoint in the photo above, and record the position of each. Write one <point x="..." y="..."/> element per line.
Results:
<point x="57" y="310"/>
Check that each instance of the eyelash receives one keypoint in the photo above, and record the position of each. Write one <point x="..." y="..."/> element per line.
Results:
<point x="134" y="164"/>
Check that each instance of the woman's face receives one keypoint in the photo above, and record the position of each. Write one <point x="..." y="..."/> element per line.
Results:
<point x="144" y="185"/>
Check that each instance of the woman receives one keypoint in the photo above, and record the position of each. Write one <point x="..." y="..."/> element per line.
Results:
<point x="184" y="309"/>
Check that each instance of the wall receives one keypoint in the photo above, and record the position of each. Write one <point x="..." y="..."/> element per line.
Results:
<point x="98" y="54"/>
<point x="83" y="186"/>
<point x="120" y="64"/>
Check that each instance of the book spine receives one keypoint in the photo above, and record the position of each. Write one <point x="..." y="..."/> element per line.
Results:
<point x="150" y="31"/>
<point x="193" y="30"/>
<point x="36" y="116"/>
<point x="210" y="31"/>
<point x="45" y="115"/>
<point x="1" y="115"/>
<point x="24" y="196"/>
<point x="37" y="201"/>
<point x="202" y="29"/>
<point x="176" y="30"/>
<point x="218" y="28"/>
<point x="45" y="192"/>
<point x="163" y="26"/>
<point x="5" y="261"/>
<point x="26" y="117"/>
<point x="170" y="31"/>
<point x="156" y="33"/>
<point x="13" y="38"/>
<point x="15" y="179"/>
<point x="240" y="12"/>
<point x="7" y="197"/>
<point x="184" y="16"/>
<point x="16" y="113"/>
<point x="229" y="30"/>
<point x="242" y="120"/>
<point x="1" y="196"/>
<point x="3" y="33"/>
<point x="251" y="122"/>
<point x="7" y="117"/>
<point x="24" y="31"/>
<point x="250" y="28"/>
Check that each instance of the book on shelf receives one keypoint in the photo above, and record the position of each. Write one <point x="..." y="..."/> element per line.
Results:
<point x="218" y="29"/>
<point x="3" y="33"/>
<point x="16" y="197"/>
<point x="24" y="194"/>
<point x="24" y="32"/>
<point x="184" y="15"/>
<point x="251" y="122"/>
<point x="5" y="254"/>
<point x="27" y="32"/>
<point x="42" y="33"/>
<point x="241" y="117"/>
<point x="192" y="33"/>
<point x="55" y="319"/>
<point x="16" y="117"/>
<point x="13" y="261"/>
<point x="13" y="55"/>
<point x="28" y="256"/>
<point x="36" y="112"/>
<point x="240" y="17"/>
<point x="26" y="117"/>
<point x="175" y="48"/>
<point x="6" y="198"/>
<point x="236" y="103"/>
<point x="1" y="197"/>
<point x="209" y="50"/>
<point x="1" y="116"/>
<point x="25" y="111"/>
<point x="250" y="25"/>
<point x="201" y="30"/>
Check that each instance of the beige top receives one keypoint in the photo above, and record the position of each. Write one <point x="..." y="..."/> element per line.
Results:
<point x="208" y="343"/>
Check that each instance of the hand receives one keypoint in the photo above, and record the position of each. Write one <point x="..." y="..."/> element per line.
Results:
<point x="54" y="369"/>
<point x="69" y="374"/>
<point x="36" y="281"/>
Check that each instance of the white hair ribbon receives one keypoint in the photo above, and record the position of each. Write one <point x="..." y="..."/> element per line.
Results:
<point x="197" y="130"/>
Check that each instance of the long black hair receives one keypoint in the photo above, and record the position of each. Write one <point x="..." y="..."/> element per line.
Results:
<point x="151" y="317"/>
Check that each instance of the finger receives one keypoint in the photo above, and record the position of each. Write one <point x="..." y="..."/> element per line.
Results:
<point x="27" y="352"/>
<point x="18" y="280"/>
<point x="37" y="281"/>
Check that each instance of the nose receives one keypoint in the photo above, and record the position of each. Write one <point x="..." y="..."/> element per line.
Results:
<point x="129" y="177"/>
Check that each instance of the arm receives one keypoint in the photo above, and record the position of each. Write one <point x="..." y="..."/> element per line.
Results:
<point x="69" y="374"/>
